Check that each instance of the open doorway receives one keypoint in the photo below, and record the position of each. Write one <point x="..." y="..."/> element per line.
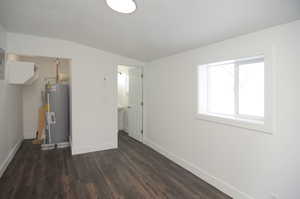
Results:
<point x="45" y="97"/>
<point x="130" y="101"/>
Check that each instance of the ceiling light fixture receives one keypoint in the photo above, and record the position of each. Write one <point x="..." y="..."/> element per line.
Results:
<point x="122" y="6"/>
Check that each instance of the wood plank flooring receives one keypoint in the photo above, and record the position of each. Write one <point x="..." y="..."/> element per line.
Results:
<point x="133" y="171"/>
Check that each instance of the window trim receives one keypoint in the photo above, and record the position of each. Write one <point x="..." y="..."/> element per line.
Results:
<point x="264" y="124"/>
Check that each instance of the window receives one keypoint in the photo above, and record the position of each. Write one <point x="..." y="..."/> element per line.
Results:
<point x="220" y="89"/>
<point x="233" y="92"/>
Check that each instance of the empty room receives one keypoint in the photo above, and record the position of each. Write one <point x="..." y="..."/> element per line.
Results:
<point x="149" y="99"/>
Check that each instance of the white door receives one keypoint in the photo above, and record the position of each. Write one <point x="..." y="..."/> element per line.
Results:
<point x="135" y="108"/>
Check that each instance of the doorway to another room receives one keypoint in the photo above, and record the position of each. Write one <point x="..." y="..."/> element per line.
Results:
<point x="130" y="101"/>
<point x="46" y="84"/>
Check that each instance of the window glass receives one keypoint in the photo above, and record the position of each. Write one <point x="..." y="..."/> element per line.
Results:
<point x="220" y="89"/>
<point x="251" y="89"/>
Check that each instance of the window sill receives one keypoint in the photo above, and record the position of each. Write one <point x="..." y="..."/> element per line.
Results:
<point x="256" y="125"/>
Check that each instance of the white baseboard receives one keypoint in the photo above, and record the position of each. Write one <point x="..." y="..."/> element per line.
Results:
<point x="201" y="173"/>
<point x="9" y="158"/>
<point x="88" y="149"/>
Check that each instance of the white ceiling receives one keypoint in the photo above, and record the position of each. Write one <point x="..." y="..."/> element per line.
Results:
<point x="158" y="28"/>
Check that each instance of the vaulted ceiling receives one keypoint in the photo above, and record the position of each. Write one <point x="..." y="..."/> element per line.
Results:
<point x="158" y="28"/>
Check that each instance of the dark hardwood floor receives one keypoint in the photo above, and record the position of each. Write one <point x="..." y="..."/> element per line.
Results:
<point x="133" y="171"/>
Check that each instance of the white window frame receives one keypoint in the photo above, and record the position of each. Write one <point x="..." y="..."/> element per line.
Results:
<point x="262" y="124"/>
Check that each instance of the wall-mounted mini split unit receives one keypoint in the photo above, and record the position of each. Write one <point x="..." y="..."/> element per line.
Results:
<point x="22" y="73"/>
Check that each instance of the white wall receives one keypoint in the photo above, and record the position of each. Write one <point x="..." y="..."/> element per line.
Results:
<point x="10" y="116"/>
<point x="93" y="88"/>
<point x="243" y="163"/>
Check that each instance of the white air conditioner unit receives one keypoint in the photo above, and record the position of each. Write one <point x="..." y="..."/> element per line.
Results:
<point x="22" y="73"/>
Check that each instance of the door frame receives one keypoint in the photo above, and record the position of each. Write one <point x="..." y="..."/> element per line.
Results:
<point x="142" y="94"/>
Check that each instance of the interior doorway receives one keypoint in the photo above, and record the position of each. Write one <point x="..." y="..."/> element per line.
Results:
<point x="45" y="97"/>
<point x="130" y="101"/>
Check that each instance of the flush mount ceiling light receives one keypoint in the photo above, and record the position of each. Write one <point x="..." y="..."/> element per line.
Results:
<point x="122" y="6"/>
